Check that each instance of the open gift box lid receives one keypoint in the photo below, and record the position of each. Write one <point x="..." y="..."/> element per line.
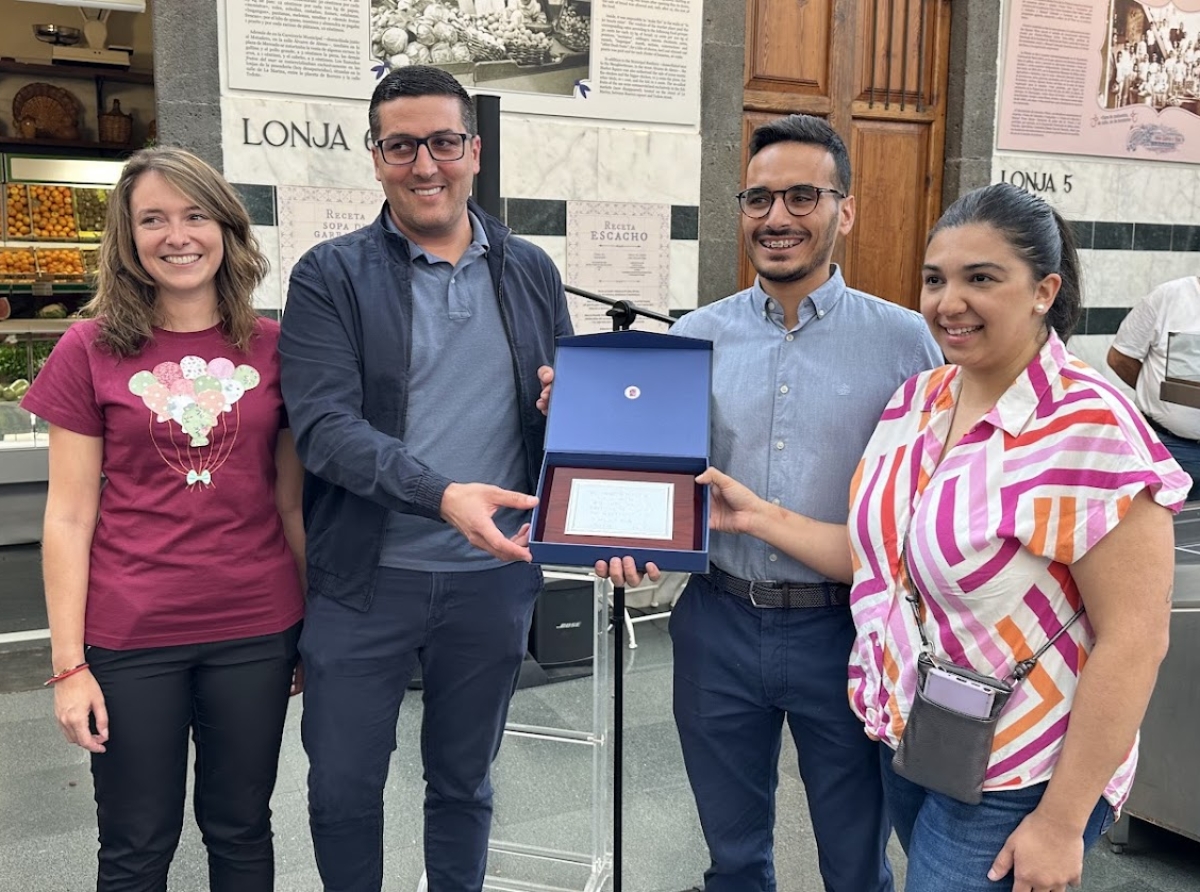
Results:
<point x="630" y="408"/>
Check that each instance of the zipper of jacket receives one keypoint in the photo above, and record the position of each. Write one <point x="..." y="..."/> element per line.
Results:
<point x="512" y="350"/>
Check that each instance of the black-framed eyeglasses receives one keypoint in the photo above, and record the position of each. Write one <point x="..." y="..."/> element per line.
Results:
<point x="800" y="200"/>
<point x="401" y="150"/>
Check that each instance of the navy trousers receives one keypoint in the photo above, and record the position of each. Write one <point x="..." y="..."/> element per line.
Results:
<point x="740" y="671"/>
<point x="469" y="633"/>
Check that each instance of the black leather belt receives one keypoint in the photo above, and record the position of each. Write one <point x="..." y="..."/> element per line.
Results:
<point x="774" y="595"/>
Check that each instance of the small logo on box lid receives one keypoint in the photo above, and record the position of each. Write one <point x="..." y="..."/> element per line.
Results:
<point x="632" y="392"/>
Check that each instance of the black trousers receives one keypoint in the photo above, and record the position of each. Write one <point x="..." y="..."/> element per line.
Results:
<point x="232" y="696"/>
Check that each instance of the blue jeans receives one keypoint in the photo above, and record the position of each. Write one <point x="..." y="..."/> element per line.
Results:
<point x="740" y="671"/>
<point x="951" y="845"/>
<point x="469" y="632"/>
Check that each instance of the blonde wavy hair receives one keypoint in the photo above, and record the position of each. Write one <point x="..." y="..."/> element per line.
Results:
<point x="126" y="295"/>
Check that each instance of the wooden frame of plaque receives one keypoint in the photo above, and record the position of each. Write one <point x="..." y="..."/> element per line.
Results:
<point x="687" y="509"/>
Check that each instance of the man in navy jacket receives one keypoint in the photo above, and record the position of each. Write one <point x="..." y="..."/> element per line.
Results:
<point x="410" y="351"/>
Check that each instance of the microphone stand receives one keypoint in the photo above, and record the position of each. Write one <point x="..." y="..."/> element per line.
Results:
<point x="624" y="313"/>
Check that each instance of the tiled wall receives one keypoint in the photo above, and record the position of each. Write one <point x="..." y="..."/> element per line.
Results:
<point x="545" y="162"/>
<point x="541" y="221"/>
<point x="1136" y="223"/>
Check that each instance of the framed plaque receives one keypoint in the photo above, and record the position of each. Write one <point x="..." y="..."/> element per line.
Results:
<point x="626" y="435"/>
<point x="621" y="509"/>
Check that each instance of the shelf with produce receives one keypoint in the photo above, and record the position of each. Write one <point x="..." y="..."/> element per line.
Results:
<point x="24" y="346"/>
<point x="41" y="303"/>
<point x="46" y="212"/>
<point x="47" y="264"/>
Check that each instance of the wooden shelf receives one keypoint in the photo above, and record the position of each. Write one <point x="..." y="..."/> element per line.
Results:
<point x="46" y="290"/>
<point x="72" y="147"/>
<point x="32" y="244"/>
<point x="118" y="75"/>
<point x="100" y="76"/>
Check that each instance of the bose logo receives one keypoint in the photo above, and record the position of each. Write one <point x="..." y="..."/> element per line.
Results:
<point x="568" y="626"/>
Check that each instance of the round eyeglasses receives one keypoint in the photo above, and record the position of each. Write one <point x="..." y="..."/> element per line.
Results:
<point x="800" y="200"/>
<point x="401" y="150"/>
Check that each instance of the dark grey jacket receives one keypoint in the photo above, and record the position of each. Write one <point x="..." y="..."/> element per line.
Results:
<point x="345" y="349"/>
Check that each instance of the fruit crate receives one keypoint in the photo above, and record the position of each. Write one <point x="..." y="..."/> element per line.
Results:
<point x="52" y="213"/>
<point x="18" y="225"/>
<point x="60" y="265"/>
<point x="18" y="266"/>
<point x="91" y="210"/>
<point x="91" y="261"/>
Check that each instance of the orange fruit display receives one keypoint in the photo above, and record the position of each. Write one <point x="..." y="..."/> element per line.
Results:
<point x="60" y="262"/>
<point x="53" y="211"/>
<point x="19" y="225"/>
<point x="17" y="264"/>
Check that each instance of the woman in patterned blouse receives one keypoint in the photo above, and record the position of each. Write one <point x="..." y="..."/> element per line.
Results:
<point x="1022" y="485"/>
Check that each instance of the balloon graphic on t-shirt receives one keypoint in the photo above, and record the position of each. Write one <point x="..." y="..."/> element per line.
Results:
<point x="206" y="382"/>
<point x="197" y="422"/>
<point x="141" y="382"/>
<point x="176" y="405"/>
<point x="212" y="401"/>
<point x="232" y="391"/>
<point x="166" y="372"/>
<point x="183" y="387"/>
<point x="197" y="396"/>
<point x="247" y="376"/>
<point x="193" y="366"/>
<point x="155" y="398"/>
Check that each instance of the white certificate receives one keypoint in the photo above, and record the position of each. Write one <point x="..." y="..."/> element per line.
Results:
<point x="622" y="509"/>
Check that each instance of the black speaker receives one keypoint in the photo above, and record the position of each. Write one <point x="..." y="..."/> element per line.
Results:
<point x="561" y="633"/>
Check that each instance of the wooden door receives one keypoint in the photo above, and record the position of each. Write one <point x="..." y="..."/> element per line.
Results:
<point x="876" y="69"/>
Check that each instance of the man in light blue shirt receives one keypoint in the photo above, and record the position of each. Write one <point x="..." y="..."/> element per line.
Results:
<point x="802" y="368"/>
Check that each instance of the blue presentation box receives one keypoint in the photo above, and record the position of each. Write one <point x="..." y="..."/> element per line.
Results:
<point x="627" y="406"/>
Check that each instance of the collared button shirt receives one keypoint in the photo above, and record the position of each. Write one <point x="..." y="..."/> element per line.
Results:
<point x="793" y="408"/>
<point x="992" y="528"/>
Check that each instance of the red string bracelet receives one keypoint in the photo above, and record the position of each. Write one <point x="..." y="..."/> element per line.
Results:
<point x="66" y="673"/>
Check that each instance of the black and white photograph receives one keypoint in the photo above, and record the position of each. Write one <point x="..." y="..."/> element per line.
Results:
<point x="1152" y="58"/>
<point x="528" y="46"/>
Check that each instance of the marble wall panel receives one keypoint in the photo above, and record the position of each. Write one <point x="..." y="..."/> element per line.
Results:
<point x="1081" y="189"/>
<point x="547" y="158"/>
<point x="648" y="165"/>
<point x="1093" y="349"/>
<point x="1116" y="278"/>
<point x="1156" y="193"/>
<point x="269" y="294"/>
<point x="1116" y="190"/>
<point x="1168" y="265"/>
<point x="685" y="271"/>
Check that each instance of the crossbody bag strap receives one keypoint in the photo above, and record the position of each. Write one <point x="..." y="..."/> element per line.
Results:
<point x="1022" y="669"/>
<point x="914" y="598"/>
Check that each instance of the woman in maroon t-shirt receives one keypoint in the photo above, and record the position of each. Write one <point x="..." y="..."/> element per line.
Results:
<point x="174" y="590"/>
